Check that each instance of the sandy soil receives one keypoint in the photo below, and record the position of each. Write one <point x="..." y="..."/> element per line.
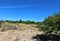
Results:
<point x="16" y="35"/>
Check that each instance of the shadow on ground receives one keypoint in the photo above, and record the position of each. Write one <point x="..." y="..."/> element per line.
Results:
<point x="45" y="37"/>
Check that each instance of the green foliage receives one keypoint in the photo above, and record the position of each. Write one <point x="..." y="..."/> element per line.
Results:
<point x="51" y="24"/>
<point x="10" y="21"/>
<point x="29" y="22"/>
<point x="20" y="21"/>
<point x="26" y="22"/>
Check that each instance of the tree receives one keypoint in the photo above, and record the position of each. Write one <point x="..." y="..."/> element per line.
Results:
<point x="20" y="21"/>
<point x="27" y="21"/>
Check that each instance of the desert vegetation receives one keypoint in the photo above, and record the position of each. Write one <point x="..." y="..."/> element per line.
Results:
<point x="51" y="29"/>
<point x="50" y="26"/>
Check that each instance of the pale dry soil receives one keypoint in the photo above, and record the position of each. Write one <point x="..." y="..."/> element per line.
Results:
<point x="16" y="35"/>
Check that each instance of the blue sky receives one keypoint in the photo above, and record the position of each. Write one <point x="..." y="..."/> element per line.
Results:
<point x="34" y="10"/>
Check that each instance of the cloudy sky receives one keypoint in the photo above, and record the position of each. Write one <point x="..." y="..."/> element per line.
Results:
<point x="35" y="10"/>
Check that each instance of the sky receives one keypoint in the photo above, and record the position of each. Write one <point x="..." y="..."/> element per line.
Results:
<point x="34" y="10"/>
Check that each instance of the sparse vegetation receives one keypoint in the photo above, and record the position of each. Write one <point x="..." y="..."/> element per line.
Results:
<point x="50" y="26"/>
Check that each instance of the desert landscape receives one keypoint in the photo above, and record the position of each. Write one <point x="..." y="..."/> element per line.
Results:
<point x="29" y="20"/>
<point x="20" y="32"/>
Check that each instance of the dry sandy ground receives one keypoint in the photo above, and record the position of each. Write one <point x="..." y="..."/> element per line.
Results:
<point x="16" y="35"/>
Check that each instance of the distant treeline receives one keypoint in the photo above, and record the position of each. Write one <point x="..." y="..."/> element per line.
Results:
<point x="21" y="21"/>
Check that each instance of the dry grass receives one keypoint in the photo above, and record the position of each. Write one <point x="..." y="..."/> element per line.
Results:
<point x="19" y="26"/>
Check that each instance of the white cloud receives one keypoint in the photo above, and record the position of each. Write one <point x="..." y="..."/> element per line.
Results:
<point x="24" y="5"/>
<point x="18" y="6"/>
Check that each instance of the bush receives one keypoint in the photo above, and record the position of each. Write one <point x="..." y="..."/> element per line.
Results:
<point x="51" y="24"/>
